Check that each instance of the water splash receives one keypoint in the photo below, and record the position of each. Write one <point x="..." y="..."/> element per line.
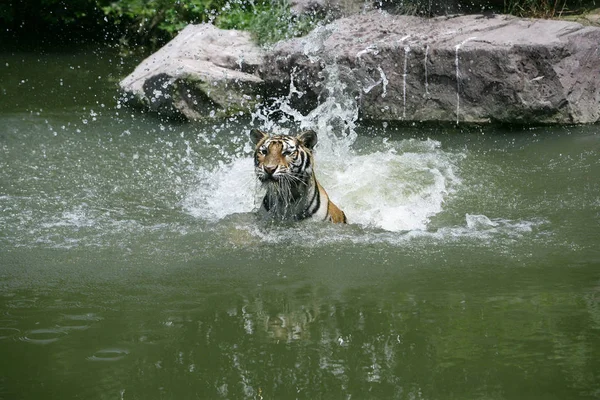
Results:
<point x="383" y="80"/>
<point x="226" y="189"/>
<point x="372" y="48"/>
<point x="129" y="181"/>
<point x="406" y="51"/>
<point x="426" y="74"/>
<point x="392" y="185"/>
<point x="315" y="41"/>
<point x="456" y="49"/>
<point x="334" y="119"/>
<point x="399" y="187"/>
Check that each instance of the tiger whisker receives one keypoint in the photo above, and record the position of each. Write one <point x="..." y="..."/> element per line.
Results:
<point x="299" y="178"/>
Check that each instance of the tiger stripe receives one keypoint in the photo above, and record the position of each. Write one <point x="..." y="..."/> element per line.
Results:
<point x="284" y="166"/>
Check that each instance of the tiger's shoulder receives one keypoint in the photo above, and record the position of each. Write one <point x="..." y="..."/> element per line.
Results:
<point x="328" y="211"/>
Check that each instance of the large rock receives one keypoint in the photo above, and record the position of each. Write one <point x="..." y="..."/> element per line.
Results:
<point x="468" y="68"/>
<point x="204" y="71"/>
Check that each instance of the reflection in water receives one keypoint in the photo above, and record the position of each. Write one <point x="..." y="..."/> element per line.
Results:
<point x="305" y="330"/>
<point x="399" y="347"/>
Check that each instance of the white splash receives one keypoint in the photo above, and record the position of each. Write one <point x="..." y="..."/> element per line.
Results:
<point x="371" y="87"/>
<point x="293" y="90"/>
<point x="372" y="48"/>
<point x="393" y="185"/>
<point x="456" y="49"/>
<point x="426" y="76"/>
<point x="479" y="222"/>
<point x="230" y="188"/>
<point x="382" y="80"/>
<point x="397" y="188"/>
<point x="315" y="41"/>
<point x="334" y="119"/>
<point x="406" y="51"/>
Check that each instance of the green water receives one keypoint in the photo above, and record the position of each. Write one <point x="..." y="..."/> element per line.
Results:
<point x="132" y="266"/>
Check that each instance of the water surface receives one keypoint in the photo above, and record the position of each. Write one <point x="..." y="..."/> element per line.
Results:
<point x="132" y="265"/>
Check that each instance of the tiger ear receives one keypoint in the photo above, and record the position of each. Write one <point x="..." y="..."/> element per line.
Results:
<point x="308" y="138"/>
<point x="257" y="135"/>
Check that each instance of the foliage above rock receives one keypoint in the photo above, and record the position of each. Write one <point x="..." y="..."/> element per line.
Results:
<point x="154" y="22"/>
<point x="157" y="21"/>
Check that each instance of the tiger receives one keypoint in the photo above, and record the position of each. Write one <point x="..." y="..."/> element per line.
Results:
<point x="284" y="165"/>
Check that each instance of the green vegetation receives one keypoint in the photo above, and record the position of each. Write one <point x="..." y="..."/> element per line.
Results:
<point x="540" y="8"/>
<point x="155" y="21"/>
<point x="151" y="23"/>
<point x="268" y="20"/>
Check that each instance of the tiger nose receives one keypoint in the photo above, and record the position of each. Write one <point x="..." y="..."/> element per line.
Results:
<point x="270" y="169"/>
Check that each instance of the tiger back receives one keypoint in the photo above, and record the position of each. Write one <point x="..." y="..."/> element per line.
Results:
<point x="284" y="165"/>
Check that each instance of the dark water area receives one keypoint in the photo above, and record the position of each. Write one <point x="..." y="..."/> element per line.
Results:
<point x="132" y="265"/>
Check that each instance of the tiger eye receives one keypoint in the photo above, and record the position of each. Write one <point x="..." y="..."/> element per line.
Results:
<point x="290" y="151"/>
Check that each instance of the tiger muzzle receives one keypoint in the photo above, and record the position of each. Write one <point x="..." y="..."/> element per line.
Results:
<point x="268" y="174"/>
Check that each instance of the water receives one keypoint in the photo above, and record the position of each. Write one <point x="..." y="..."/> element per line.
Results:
<point x="132" y="265"/>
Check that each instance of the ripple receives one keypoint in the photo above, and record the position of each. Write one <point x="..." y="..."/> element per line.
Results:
<point x="74" y="327"/>
<point x="21" y="303"/>
<point x="83" y="317"/>
<point x="108" y="355"/>
<point x="7" y="333"/>
<point x="43" y="336"/>
<point x="79" y="322"/>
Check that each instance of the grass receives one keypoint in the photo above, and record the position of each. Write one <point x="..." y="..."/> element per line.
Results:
<point x="536" y="8"/>
<point x="268" y="22"/>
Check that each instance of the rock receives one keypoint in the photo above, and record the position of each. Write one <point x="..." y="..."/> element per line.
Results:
<point x="469" y="68"/>
<point x="204" y="71"/>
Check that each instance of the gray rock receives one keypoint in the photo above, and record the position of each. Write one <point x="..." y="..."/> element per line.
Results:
<point x="204" y="71"/>
<point x="468" y="68"/>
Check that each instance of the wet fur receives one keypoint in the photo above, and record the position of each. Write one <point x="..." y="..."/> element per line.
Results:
<point x="284" y="165"/>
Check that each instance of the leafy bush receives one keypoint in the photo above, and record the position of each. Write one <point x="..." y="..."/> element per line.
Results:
<point x="155" y="21"/>
<point x="269" y="21"/>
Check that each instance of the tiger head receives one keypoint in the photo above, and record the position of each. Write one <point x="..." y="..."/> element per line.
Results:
<point x="283" y="157"/>
<point x="284" y="165"/>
